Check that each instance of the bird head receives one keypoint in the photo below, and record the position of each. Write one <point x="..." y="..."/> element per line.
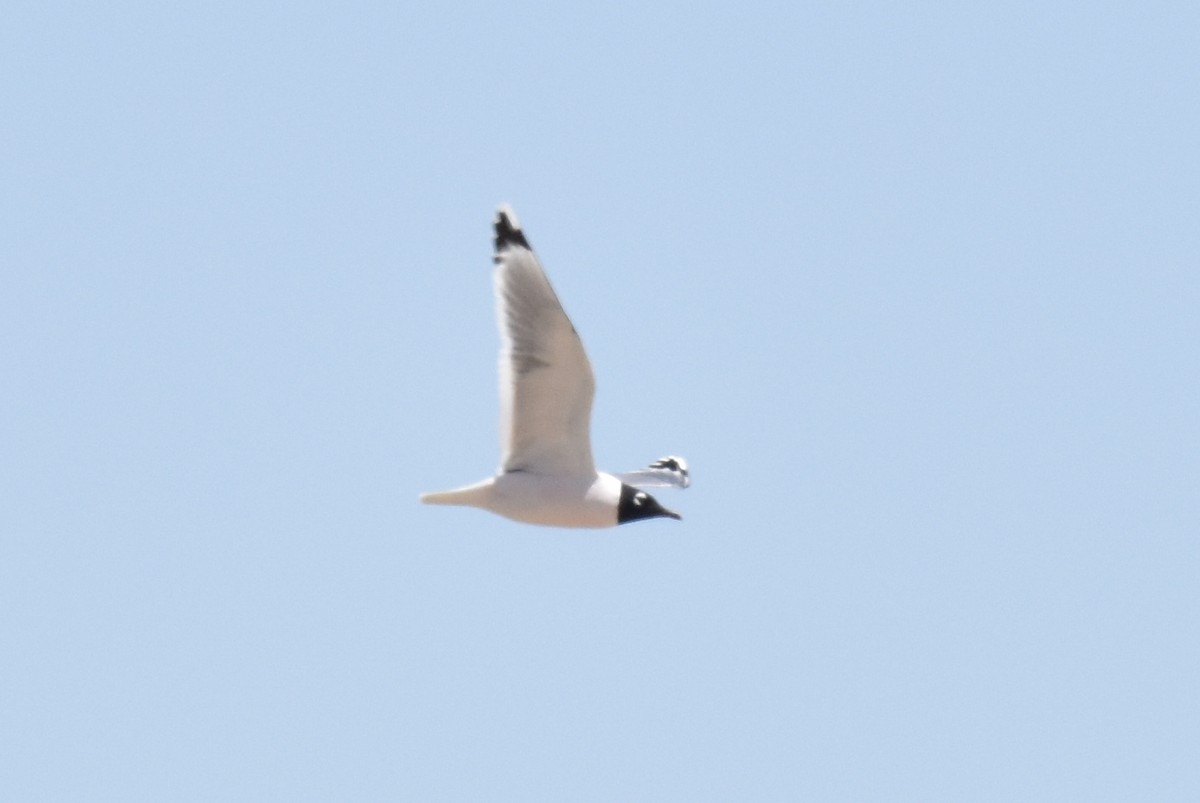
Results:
<point x="636" y="504"/>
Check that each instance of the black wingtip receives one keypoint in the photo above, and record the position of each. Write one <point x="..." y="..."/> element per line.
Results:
<point x="508" y="230"/>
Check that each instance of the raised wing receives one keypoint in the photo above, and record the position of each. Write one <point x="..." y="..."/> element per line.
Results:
<point x="546" y="382"/>
<point x="667" y="472"/>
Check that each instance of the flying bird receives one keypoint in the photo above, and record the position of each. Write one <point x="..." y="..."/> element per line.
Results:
<point x="547" y="475"/>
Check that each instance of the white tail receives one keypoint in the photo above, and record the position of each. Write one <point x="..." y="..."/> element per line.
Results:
<point x="440" y="498"/>
<point x="472" y="495"/>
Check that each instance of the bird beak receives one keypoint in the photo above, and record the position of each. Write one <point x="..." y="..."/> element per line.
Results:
<point x="671" y="514"/>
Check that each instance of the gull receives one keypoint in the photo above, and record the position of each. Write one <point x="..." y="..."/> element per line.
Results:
<point x="547" y="475"/>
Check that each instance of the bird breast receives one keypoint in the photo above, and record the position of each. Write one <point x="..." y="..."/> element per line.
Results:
<point x="557" y="501"/>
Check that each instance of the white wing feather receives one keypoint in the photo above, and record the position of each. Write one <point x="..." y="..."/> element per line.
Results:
<point x="546" y="381"/>
<point x="666" y="472"/>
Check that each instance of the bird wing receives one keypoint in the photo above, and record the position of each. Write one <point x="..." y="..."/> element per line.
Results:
<point x="666" y="472"/>
<point x="546" y="382"/>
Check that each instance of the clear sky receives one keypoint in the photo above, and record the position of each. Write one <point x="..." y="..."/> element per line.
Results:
<point x="914" y="287"/>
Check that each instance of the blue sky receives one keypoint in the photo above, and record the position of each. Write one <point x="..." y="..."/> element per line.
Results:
<point x="913" y="288"/>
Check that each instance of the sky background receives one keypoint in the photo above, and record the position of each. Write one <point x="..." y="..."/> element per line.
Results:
<point x="913" y="287"/>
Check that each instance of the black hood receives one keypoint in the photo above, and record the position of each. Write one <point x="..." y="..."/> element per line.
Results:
<point x="635" y="505"/>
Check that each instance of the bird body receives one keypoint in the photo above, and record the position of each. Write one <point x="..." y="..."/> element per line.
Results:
<point x="556" y="501"/>
<point x="546" y="474"/>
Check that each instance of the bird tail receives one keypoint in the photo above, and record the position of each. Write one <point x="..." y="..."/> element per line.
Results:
<point x="440" y="498"/>
<point x="472" y="495"/>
